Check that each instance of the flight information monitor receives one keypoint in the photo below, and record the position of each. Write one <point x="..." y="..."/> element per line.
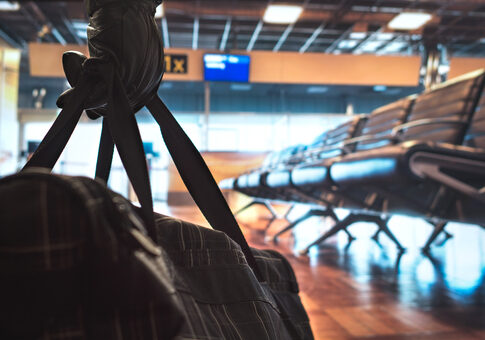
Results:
<point x="226" y="67"/>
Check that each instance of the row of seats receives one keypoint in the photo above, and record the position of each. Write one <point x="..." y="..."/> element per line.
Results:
<point x="423" y="155"/>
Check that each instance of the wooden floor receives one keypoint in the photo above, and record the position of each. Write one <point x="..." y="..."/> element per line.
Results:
<point x="364" y="290"/>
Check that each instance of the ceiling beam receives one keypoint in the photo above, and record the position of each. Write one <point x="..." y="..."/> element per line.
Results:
<point x="58" y="36"/>
<point x="287" y="31"/>
<point x="337" y="41"/>
<point x="166" y="38"/>
<point x="283" y="37"/>
<point x="225" y="35"/>
<point x="312" y="38"/>
<point x="45" y="21"/>
<point x="255" y="36"/>
<point x="9" y="39"/>
<point x="381" y="49"/>
<point x="357" y="48"/>
<point x="195" y="34"/>
<point x="467" y="48"/>
<point x="245" y="12"/>
<point x="71" y="30"/>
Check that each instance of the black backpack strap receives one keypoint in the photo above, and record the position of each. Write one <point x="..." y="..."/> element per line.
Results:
<point x="198" y="178"/>
<point x="120" y="125"/>
<point x="105" y="153"/>
<point x="120" y="129"/>
<point x="126" y="136"/>
<point x="56" y="139"/>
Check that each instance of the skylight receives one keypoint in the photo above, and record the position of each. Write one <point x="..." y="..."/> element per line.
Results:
<point x="9" y="6"/>
<point x="282" y="14"/>
<point x="409" y="20"/>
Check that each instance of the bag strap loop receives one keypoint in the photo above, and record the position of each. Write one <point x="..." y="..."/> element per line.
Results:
<point x="120" y="129"/>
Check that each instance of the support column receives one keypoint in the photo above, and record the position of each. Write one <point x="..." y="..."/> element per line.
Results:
<point x="9" y="127"/>
<point x="435" y="64"/>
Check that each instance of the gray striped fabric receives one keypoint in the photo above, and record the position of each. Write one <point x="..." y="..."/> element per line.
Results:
<point x="74" y="264"/>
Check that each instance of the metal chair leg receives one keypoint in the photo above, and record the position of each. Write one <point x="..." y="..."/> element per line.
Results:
<point x="382" y="224"/>
<point x="352" y="218"/>
<point x="247" y="206"/>
<point x="312" y="212"/>
<point x="256" y="202"/>
<point x="335" y="229"/>
<point x="333" y="216"/>
<point x="375" y="237"/>
<point x="288" y="212"/>
<point x="293" y="224"/>
<point x="438" y="229"/>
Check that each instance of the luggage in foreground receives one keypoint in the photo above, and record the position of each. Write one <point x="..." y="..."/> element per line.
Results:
<point x="76" y="263"/>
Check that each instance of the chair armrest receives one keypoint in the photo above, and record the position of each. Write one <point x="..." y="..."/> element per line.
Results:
<point x="366" y="138"/>
<point x="313" y="154"/>
<point x="434" y="166"/>
<point x="423" y="122"/>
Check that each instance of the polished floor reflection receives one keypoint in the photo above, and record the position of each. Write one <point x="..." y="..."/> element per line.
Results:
<point x="366" y="290"/>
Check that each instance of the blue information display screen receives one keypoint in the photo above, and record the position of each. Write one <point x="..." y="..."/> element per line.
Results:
<point x="226" y="67"/>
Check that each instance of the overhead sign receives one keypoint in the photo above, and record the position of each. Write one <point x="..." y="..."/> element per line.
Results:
<point x="176" y="63"/>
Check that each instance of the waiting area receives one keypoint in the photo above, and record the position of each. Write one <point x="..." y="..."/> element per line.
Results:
<point x="420" y="156"/>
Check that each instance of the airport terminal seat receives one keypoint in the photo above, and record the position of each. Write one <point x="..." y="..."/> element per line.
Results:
<point x="314" y="178"/>
<point x="382" y="175"/>
<point x="251" y="183"/>
<point x="331" y="149"/>
<point x="328" y="146"/>
<point x="439" y="116"/>
<point x="423" y="155"/>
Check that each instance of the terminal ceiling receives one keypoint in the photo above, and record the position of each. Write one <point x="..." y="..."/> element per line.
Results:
<point x="326" y="26"/>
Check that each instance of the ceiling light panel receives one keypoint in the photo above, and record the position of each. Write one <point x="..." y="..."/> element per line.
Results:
<point x="9" y="6"/>
<point x="384" y="36"/>
<point x="316" y="89"/>
<point x="409" y="20"/>
<point x="371" y="46"/>
<point x="357" y="35"/>
<point x="282" y="14"/>
<point x="345" y="44"/>
<point x="395" y="46"/>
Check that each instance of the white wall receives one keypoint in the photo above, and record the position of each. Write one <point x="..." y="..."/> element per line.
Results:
<point x="9" y="127"/>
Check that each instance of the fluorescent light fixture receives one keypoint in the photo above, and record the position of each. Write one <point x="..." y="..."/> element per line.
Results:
<point x="357" y="35"/>
<point x="409" y="20"/>
<point x="282" y="14"/>
<point x="9" y="6"/>
<point x="80" y="25"/>
<point x="395" y="46"/>
<point x="371" y="46"/>
<point x="82" y="34"/>
<point x="347" y="44"/>
<point x="241" y="87"/>
<point x="393" y="92"/>
<point x="384" y="36"/>
<point x="159" y="12"/>
<point x="380" y="88"/>
<point x="316" y="89"/>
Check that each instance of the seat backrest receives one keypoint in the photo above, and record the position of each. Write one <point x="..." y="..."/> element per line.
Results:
<point x="475" y="136"/>
<point x="454" y="100"/>
<point x="381" y="122"/>
<point x="335" y="138"/>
